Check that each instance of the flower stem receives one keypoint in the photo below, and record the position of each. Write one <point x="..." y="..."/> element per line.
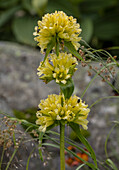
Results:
<point x="57" y="47"/>
<point x="62" y="155"/>
<point x="2" y="155"/>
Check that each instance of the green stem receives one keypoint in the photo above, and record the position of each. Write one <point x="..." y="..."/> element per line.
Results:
<point x="27" y="165"/>
<point x="62" y="155"/>
<point x="107" y="140"/>
<point x="57" y="46"/>
<point x="11" y="158"/>
<point x="2" y="155"/>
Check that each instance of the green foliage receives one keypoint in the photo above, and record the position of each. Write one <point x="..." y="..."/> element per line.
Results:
<point x="7" y="14"/>
<point x="62" y="5"/>
<point x="87" y="29"/>
<point x="29" y="114"/>
<point x="72" y="143"/>
<point x="72" y="49"/>
<point x="76" y="129"/>
<point x="49" y="48"/>
<point x="23" y="27"/>
<point x="94" y="16"/>
<point x="39" y="6"/>
<point x="107" y="27"/>
<point x="27" y="6"/>
<point x="67" y="88"/>
<point x="74" y="137"/>
<point x="111" y="164"/>
<point x="8" y="3"/>
<point x="88" y="6"/>
<point x="99" y="19"/>
<point x="28" y="160"/>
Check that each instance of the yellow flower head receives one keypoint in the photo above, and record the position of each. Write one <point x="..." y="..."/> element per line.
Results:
<point x="56" y="108"/>
<point x="60" y="68"/>
<point x="58" y="25"/>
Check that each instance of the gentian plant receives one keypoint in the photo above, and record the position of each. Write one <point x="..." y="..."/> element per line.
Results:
<point x="58" y="35"/>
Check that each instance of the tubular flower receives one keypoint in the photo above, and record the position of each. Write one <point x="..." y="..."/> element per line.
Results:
<point x="56" y="108"/>
<point x="60" y="68"/>
<point x="58" y="25"/>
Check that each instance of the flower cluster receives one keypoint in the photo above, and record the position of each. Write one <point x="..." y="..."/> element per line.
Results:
<point x="60" y="68"/>
<point x="57" y="25"/>
<point x="56" y="108"/>
<point x="56" y="28"/>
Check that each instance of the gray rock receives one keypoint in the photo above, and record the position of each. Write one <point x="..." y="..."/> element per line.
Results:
<point x="20" y="84"/>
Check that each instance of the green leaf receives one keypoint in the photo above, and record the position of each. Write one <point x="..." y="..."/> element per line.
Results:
<point x="27" y="5"/>
<point x="111" y="164"/>
<point x="8" y="3"/>
<point x="80" y="166"/>
<point x="14" y="139"/>
<point x="107" y="30"/>
<point x="50" y="144"/>
<point x="57" y="46"/>
<point x="23" y="28"/>
<point x="76" y="1"/>
<point x="67" y="88"/>
<point x="107" y="138"/>
<point x="93" y="6"/>
<point x="50" y="127"/>
<point x="113" y="48"/>
<point x="40" y="145"/>
<point x="71" y="48"/>
<point x="26" y="123"/>
<point x="103" y="98"/>
<point x="107" y="27"/>
<point x="5" y="16"/>
<point x="92" y="166"/>
<point x="63" y="5"/>
<point x="49" y="48"/>
<point x="39" y="6"/>
<point x="28" y="160"/>
<point x="71" y="142"/>
<point x="76" y="129"/>
<point x="69" y="151"/>
<point x="87" y="29"/>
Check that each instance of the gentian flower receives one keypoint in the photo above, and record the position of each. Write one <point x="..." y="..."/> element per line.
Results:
<point x="57" y="25"/>
<point x="56" y="108"/>
<point x="60" y="68"/>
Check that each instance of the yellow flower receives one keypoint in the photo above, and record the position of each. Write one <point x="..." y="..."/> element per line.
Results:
<point x="60" y="68"/>
<point x="60" y="25"/>
<point x="56" y="108"/>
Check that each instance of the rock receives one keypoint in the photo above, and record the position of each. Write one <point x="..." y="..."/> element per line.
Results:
<point x="20" y="84"/>
<point x="4" y="107"/>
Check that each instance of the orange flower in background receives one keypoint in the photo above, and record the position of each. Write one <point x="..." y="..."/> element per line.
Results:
<point x="77" y="159"/>
<point x="69" y="161"/>
<point x="84" y="156"/>
<point x="74" y="161"/>
<point x="72" y="148"/>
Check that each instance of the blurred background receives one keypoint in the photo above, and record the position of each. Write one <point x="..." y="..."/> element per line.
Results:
<point x="99" y="19"/>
